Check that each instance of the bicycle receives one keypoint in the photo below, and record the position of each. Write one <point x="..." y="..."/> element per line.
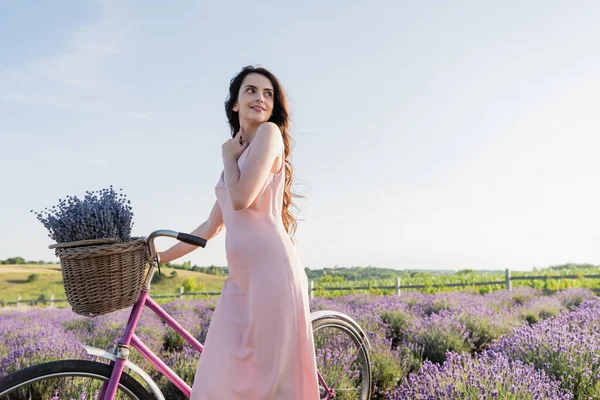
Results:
<point x="342" y="375"/>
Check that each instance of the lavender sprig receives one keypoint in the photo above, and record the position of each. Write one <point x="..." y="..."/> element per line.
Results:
<point x="101" y="214"/>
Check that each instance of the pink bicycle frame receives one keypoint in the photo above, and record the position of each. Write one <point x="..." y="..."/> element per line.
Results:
<point x="129" y="338"/>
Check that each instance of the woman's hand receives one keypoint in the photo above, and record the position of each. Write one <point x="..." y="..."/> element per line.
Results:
<point x="233" y="148"/>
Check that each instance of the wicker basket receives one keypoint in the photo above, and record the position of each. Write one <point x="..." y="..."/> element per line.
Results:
<point x="102" y="278"/>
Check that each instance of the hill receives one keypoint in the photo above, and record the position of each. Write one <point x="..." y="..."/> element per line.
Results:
<point x="15" y="280"/>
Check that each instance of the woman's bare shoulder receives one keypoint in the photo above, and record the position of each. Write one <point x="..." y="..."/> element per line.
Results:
<point x="269" y="128"/>
<point x="270" y="134"/>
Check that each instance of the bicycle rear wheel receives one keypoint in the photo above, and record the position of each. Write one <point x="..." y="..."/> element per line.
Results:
<point x="342" y="360"/>
<point x="67" y="379"/>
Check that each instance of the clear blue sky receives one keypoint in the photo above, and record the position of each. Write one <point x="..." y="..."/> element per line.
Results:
<point x="428" y="135"/>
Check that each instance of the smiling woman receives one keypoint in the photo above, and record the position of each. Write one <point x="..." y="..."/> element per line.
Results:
<point x="258" y="87"/>
<point x="260" y="343"/>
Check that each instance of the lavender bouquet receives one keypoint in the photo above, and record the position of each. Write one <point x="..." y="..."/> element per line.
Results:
<point x="101" y="214"/>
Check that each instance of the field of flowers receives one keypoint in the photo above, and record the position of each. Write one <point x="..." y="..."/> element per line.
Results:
<point x="460" y="345"/>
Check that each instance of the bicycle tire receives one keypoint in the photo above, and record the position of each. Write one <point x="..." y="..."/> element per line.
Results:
<point x="363" y="354"/>
<point x="68" y="368"/>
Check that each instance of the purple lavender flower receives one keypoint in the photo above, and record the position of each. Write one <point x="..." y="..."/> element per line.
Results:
<point x="34" y="337"/>
<point x="566" y="347"/>
<point x="489" y="376"/>
<point x="403" y="330"/>
<point x="101" y="214"/>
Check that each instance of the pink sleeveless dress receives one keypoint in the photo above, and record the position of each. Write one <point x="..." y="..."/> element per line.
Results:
<point x="259" y="345"/>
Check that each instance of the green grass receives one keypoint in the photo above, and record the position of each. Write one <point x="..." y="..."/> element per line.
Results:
<point x="434" y="282"/>
<point x="13" y="282"/>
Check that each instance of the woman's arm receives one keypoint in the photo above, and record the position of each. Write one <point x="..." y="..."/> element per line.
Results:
<point x="208" y="230"/>
<point x="243" y="187"/>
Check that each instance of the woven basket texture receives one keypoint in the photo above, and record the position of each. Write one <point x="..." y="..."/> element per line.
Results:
<point x="104" y="278"/>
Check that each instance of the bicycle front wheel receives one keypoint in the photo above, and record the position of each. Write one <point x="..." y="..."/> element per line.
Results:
<point x="342" y="360"/>
<point x="65" y="380"/>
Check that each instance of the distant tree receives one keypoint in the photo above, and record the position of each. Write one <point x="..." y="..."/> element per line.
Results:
<point x="419" y="274"/>
<point x="465" y="272"/>
<point x="189" y="284"/>
<point x="332" y="278"/>
<point x="16" y="260"/>
<point x="214" y="270"/>
<point x="193" y="285"/>
<point x="157" y="278"/>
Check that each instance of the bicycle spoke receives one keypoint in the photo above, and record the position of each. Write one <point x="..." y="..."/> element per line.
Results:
<point x="63" y="387"/>
<point x="352" y="359"/>
<point x="337" y="360"/>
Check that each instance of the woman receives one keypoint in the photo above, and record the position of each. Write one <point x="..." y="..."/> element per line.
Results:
<point x="259" y="344"/>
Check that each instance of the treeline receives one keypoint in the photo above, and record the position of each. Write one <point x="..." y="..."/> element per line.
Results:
<point x="210" y="270"/>
<point x="365" y="273"/>
<point x="21" y="260"/>
<point x="340" y="274"/>
<point x="570" y="266"/>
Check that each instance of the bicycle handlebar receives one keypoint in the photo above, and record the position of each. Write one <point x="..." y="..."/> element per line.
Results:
<point x="191" y="239"/>
<point x="182" y="237"/>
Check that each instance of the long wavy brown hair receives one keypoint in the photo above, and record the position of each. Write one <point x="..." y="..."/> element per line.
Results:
<point x="281" y="117"/>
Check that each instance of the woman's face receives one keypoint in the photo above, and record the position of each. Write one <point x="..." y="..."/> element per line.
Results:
<point x="255" y="99"/>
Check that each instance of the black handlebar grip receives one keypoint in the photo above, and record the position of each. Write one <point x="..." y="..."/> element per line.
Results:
<point x="191" y="239"/>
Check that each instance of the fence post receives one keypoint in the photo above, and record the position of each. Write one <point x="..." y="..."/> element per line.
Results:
<point x="397" y="286"/>
<point x="18" y="301"/>
<point x="311" y="295"/>
<point x="507" y="278"/>
<point x="51" y="301"/>
<point x="180" y="293"/>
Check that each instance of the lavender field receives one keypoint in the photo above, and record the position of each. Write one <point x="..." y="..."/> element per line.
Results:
<point x="461" y="345"/>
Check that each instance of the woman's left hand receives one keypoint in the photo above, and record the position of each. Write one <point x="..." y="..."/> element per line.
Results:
<point x="233" y="148"/>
